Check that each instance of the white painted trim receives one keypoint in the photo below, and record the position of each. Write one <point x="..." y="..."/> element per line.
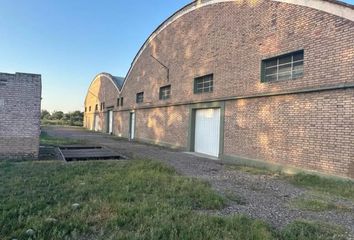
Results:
<point x="321" y="5"/>
<point x="328" y="7"/>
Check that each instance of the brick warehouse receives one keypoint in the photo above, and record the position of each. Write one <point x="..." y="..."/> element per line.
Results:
<point x="266" y="82"/>
<point x="20" y="110"/>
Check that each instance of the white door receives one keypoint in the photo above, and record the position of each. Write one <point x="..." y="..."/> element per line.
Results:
<point x="207" y="131"/>
<point x="110" y="122"/>
<point x="132" y="125"/>
<point x="97" y="123"/>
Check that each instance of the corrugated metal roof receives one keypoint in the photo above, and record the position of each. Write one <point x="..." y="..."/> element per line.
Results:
<point x="119" y="81"/>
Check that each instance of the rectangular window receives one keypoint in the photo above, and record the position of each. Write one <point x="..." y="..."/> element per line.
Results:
<point x="85" y="109"/>
<point x="102" y="106"/>
<point x="204" y="84"/>
<point x="140" y="97"/>
<point x="118" y="100"/>
<point x="165" y="92"/>
<point x="286" y="67"/>
<point x="96" y="107"/>
<point x="121" y="101"/>
<point x="89" y="108"/>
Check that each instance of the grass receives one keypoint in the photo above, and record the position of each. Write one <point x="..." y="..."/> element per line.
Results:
<point x="319" y="184"/>
<point x="317" y="205"/>
<point x="312" y="230"/>
<point x="122" y="200"/>
<point x="137" y="200"/>
<point x="231" y="196"/>
<point x="252" y="170"/>
<point x="48" y="140"/>
<point x="47" y="122"/>
<point x="330" y="186"/>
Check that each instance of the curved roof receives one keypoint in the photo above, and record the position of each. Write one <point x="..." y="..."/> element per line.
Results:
<point x="335" y="7"/>
<point x="117" y="81"/>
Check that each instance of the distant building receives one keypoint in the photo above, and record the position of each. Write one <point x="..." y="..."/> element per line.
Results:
<point x="101" y="99"/>
<point x="259" y="82"/>
<point x="20" y="110"/>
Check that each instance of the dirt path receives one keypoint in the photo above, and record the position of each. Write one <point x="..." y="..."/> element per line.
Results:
<point x="258" y="196"/>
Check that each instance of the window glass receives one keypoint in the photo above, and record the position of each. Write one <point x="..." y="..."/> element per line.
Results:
<point x="165" y="92"/>
<point x="204" y="84"/>
<point x="285" y="67"/>
<point x="140" y="97"/>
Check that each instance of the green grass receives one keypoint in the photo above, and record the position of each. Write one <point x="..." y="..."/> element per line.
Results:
<point x="299" y="230"/>
<point x="136" y="200"/>
<point x="47" y="122"/>
<point x="120" y="200"/>
<point x="331" y="186"/>
<point x="317" y="205"/>
<point x="252" y="170"/>
<point x="235" y="198"/>
<point x="45" y="139"/>
<point x="319" y="184"/>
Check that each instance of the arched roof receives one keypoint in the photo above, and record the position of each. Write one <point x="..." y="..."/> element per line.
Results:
<point x="116" y="81"/>
<point x="335" y="7"/>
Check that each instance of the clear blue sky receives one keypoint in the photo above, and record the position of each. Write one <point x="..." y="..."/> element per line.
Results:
<point x="70" y="41"/>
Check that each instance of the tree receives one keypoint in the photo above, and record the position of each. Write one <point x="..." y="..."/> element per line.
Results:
<point x="76" y="118"/>
<point x="57" y="115"/>
<point x="45" y="114"/>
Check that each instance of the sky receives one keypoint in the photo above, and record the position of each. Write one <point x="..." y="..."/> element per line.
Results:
<point x="68" y="42"/>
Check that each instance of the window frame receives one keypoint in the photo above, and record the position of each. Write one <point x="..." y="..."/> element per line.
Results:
<point x="211" y="88"/>
<point x="139" y="99"/>
<point x="121" y="101"/>
<point x="277" y="58"/>
<point x="164" y="96"/>
<point x="118" y="102"/>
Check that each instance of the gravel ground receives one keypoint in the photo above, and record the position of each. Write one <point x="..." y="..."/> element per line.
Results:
<point x="258" y="196"/>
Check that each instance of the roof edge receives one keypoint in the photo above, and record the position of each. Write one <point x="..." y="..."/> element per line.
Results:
<point x="107" y="75"/>
<point x="343" y="7"/>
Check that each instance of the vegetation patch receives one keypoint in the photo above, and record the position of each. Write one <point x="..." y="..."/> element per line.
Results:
<point x="48" y="140"/>
<point x="235" y="198"/>
<point x="317" y="205"/>
<point x="121" y="200"/>
<point x="312" y="230"/>
<point x="332" y="186"/>
<point x="319" y="184"/>
<point x="252" y="170"/>
<point x="59" y="118"/>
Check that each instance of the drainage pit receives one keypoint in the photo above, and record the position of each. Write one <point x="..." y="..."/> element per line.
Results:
<point x="86" y="153"/>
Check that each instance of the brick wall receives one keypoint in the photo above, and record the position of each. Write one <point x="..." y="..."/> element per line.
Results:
<point x="121" y="124"/>
<point x="230" y="40"/>
<point x="164" y="126"/>
<point x="309" y="130"/>
<point x="312" y="130"/>
<point x="20" y="104"/>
